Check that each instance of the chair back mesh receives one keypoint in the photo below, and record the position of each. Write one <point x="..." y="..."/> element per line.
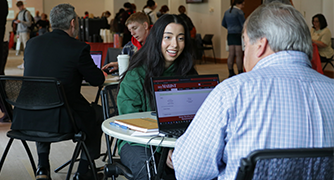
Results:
<point x="207" y="39"/>
<point x="286" y="164"/>
<point x="294" y="168"/>
<point x="109" y="101"/>
<point x="31" y="93"/>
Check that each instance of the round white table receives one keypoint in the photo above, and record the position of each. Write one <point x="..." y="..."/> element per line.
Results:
<point x="109" y="79"/>
<point x="125" y="134"/>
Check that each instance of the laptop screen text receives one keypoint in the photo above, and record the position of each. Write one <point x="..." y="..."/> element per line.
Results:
<point x="177" y="100"/>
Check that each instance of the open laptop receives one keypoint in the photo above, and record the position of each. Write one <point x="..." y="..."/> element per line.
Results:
<point x="97" y="58"/>
<point x="177" y="100"/>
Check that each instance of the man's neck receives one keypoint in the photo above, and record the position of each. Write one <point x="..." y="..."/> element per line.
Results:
<point x="69" y="32"/>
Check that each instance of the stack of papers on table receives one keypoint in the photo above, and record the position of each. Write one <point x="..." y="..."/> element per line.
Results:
<point x="137" y="133"/>
<point x="144" y="125"/>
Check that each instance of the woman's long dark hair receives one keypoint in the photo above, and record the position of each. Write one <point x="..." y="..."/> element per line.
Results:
<point x="235" y="2"/>
<point x="151" y="58"/>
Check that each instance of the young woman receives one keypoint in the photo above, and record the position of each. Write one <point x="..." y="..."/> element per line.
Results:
<point x="43" y="24"/>
<point x="167" y="52"/>
<point x="233" y="21"/>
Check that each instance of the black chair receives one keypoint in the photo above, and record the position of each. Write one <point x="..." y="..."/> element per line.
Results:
<point x="109" y="106"/>
<point x="286" y="164"/>
<point x="208" y="45"/>
<point x="197" y="47"/>
<point x="112" y="54"/>
<point x="330" y="60"/>
<point x="40" y="94"/>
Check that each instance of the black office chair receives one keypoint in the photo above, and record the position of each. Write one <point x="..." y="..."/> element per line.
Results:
<point x="40" y="94"/>
<point x="109" y="106"/>
<point x="208" y="45"/>
<point x="330" y="60"/>
<point x="286" y="164"/>
<point x="112" y="54"/>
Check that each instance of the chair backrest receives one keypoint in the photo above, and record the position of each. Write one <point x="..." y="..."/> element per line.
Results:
<point x="112" y="55"/>
<point x="305" y="163"/>
<point x="109" y="101"/>
<point x="332" y="41"/>
<point x="34" y="93"/>
<point x="207" y="39"/>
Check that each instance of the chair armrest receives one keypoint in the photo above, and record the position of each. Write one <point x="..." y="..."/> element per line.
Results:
<point x="117" y="169"/>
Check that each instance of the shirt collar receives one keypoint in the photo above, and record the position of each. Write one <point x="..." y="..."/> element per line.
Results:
<point x="284" y="57"/>
<point x="236" y="7"/>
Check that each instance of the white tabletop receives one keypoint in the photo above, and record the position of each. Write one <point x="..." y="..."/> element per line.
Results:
<point x="125" y="134"/>
<point x="108" y="81"/>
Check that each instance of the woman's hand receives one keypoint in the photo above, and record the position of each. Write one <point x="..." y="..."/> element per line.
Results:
<point x="169" y="159"/>
<point x="113" y="66"/>
<point x="320" y="44"/>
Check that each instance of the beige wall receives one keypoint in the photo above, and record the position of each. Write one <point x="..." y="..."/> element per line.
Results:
<point x="96" y="7"/>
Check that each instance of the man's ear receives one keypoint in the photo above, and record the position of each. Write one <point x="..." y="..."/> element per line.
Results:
<point x="262" y="46"/>
<point x="145" y="24"/>
<point x="72" y="23"/>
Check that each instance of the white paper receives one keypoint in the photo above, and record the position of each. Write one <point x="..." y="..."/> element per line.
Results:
<point x="137" y="133"/>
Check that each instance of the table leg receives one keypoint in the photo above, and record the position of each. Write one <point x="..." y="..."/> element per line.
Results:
<point x="98" y="94"/>
<point x="108" y="142"/>
<point x="162" y="162"/>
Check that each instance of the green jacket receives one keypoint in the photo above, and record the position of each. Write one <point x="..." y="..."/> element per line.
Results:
<point x="131" y="98"/>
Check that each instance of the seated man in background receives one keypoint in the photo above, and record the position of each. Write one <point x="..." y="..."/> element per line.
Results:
<point x="138" y="25"/>
<point x="58" y="54"/>
<point x="281" y="102"/>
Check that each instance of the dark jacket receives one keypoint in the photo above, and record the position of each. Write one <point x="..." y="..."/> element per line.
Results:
<point x="58" y="55"/>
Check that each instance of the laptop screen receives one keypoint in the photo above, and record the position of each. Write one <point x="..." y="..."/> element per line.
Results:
<point x="178" y="98"/>
<point x="97" y="58"/>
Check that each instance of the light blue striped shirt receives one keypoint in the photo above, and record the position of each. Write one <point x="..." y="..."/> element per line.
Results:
<point x="281" y="103"/>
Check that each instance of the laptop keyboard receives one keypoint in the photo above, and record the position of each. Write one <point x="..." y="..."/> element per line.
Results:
<point x="175" y="132"/>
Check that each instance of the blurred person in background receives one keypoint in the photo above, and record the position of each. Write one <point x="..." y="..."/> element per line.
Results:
<point x="37" y="16"/>
<point x="183" y="15"/>
<point x="43" y="25"/>
<point x="149" y="10"/>
<point x="125" y="15"/>
<point x="233" y="21"/>
<point x="3" y="54"/>
<point x="321" y="36"/>
<point x="86" y="14"/>
<point x="163" y="10"/>
<point x="23" y="22"/>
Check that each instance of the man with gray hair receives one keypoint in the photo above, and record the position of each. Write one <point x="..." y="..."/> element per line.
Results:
<point x="281" y="1"/>
<point x="58" y="54"/>
<point x="281" y="102"/>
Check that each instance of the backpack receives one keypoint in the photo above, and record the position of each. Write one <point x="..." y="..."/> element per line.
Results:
<point x="33" y="26"/>
<point x="149" y="17"/>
